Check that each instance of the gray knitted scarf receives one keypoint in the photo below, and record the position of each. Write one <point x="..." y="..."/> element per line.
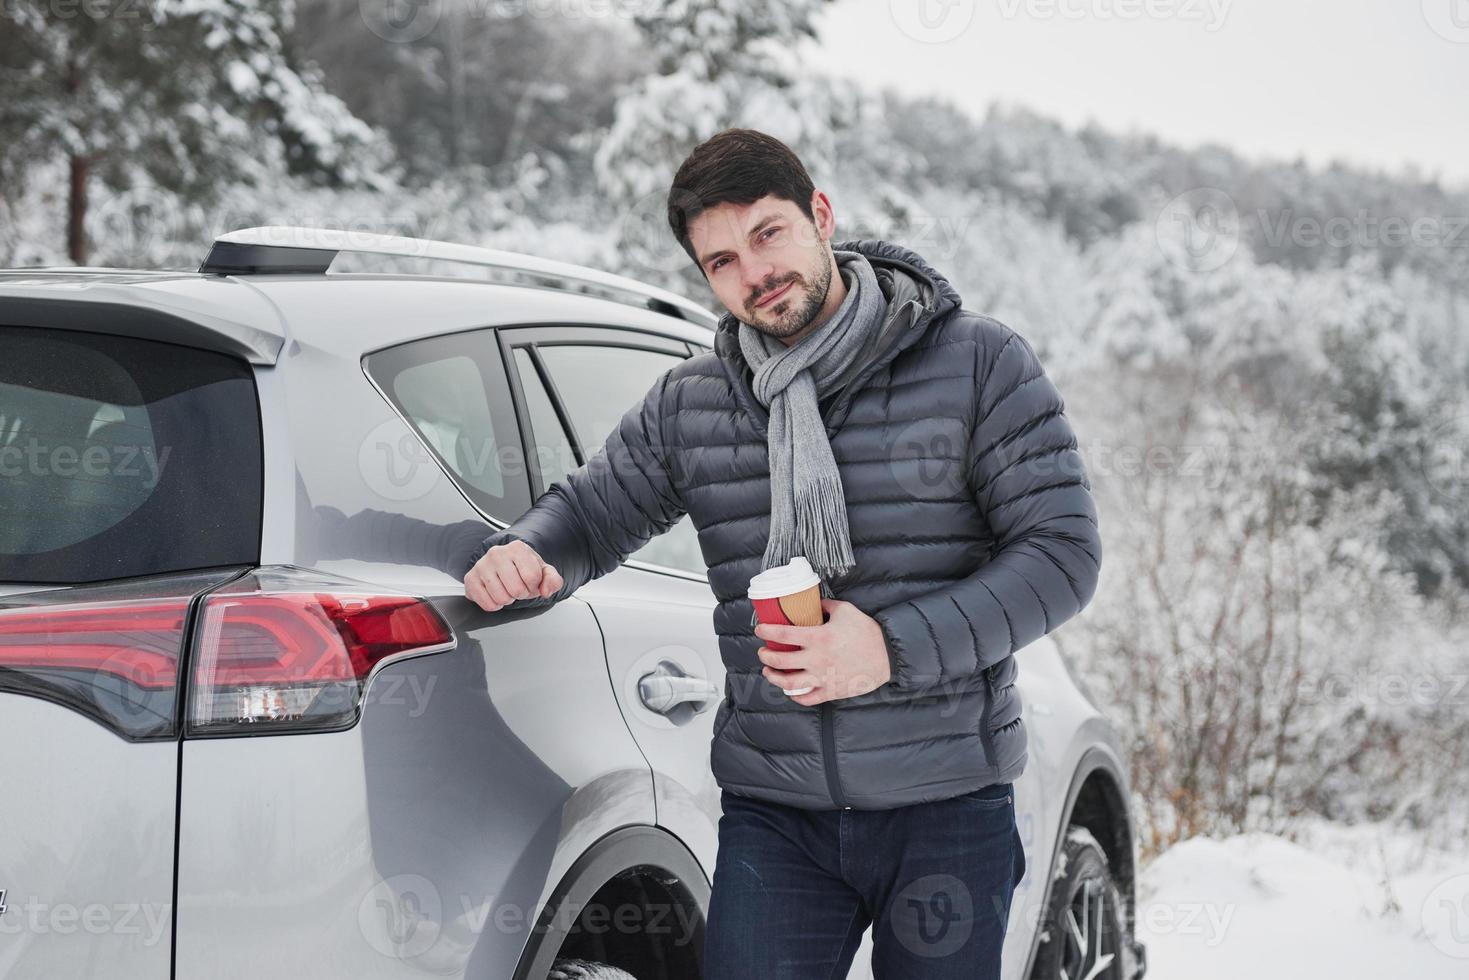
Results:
<point x="808" y="509"/>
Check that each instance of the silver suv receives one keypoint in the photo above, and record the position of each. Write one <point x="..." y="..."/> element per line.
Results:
<point x="251" y="726"/>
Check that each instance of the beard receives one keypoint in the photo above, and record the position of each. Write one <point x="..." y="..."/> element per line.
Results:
<point x="794" y="311"/>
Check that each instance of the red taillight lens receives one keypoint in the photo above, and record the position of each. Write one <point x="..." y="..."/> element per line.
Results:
<point x="289" y="649"/>
<point x="137" y="640"/>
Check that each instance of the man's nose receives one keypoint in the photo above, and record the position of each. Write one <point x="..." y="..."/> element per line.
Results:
<point x="756" y="272"/>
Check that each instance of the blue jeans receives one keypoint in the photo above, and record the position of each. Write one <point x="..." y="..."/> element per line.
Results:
<point x="794" y="889"/>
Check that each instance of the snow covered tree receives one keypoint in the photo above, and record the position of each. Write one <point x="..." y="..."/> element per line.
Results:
<point x="1131" y="322"/>
<point x="484" y="85"/>
<point x="1256" y="438"/>
<point x="719" y="63"/>
<point x="1393" y="409"/>
<point x="188" y="95"/>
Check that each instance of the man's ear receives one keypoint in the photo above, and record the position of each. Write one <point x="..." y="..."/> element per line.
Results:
<point x="823" y="214"/>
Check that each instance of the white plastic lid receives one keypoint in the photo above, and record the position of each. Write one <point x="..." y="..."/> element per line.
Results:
<point x="782" y="580"/>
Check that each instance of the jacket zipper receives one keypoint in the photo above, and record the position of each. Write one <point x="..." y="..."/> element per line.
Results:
<point x="986" y="737"/>
<point x="828" y="746"/>
<point x="829" y="757"/>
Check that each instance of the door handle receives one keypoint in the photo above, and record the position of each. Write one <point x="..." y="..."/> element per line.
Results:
<point x="666" y="687"/>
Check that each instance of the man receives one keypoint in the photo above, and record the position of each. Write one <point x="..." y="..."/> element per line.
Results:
<point x="917" y="455"/>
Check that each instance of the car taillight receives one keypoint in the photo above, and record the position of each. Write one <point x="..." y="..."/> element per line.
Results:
<point x="285" y="649"/>
<point x="109" y="651"/>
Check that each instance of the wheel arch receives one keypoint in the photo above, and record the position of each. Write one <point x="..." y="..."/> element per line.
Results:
<point x="1096" y="799"/>
<point x="648" y="854"/>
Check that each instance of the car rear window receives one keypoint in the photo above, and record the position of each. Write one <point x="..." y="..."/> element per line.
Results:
<point x="123" y="457"/>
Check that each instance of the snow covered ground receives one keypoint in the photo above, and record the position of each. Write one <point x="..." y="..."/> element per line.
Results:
<point x="1261" y="907"/>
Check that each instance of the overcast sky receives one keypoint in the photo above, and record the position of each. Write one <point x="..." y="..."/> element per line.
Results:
<point x="1377" y="83"/>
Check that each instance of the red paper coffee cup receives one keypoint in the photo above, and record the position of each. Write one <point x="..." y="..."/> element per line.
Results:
<point x="788" y="595"/>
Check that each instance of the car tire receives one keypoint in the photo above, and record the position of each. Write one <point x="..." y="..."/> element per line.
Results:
<point x="566" y="969"/>
<point x="1082" y="936"/>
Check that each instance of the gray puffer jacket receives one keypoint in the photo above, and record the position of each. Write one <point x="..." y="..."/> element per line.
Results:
<point x="971" y="520"/>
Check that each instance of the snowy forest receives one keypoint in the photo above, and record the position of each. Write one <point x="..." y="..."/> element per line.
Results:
<point x="1265" y="362"/>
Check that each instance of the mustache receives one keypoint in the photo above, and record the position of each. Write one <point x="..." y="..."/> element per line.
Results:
<point x="757" y="297"/>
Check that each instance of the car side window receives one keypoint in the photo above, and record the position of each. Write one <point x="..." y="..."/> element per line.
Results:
<point x="597" y="384"/>
<point x="600" y="383"/>
<point x="452" y="390"/>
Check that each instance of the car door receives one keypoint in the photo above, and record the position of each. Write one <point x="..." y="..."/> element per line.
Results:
<point x="573" y="384"/>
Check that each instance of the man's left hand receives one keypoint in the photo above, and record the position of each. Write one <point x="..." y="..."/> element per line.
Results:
<point x="842" y="658"/>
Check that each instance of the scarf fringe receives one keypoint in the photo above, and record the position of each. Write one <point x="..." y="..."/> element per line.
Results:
<point x="821" y="516"/>
<point x="782" y="546"/>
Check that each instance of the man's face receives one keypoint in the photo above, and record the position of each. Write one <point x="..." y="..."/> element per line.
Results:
<point x="768" y="263"/>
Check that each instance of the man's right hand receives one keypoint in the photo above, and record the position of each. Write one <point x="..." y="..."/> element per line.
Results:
<point x="508" y="572"/>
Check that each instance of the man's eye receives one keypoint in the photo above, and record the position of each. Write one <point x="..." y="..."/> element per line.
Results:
<point x="717" y="263"/>
<point x="765" y="235"/>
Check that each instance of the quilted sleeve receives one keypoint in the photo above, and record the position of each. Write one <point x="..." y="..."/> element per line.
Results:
<point x="589" y="522"/>
<point x="1026" y="475"/>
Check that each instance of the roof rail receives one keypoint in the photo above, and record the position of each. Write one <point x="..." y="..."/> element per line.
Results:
<point x="288" y="248"/>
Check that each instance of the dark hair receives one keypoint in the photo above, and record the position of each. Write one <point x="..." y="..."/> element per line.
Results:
<point x="735" y="166"/>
